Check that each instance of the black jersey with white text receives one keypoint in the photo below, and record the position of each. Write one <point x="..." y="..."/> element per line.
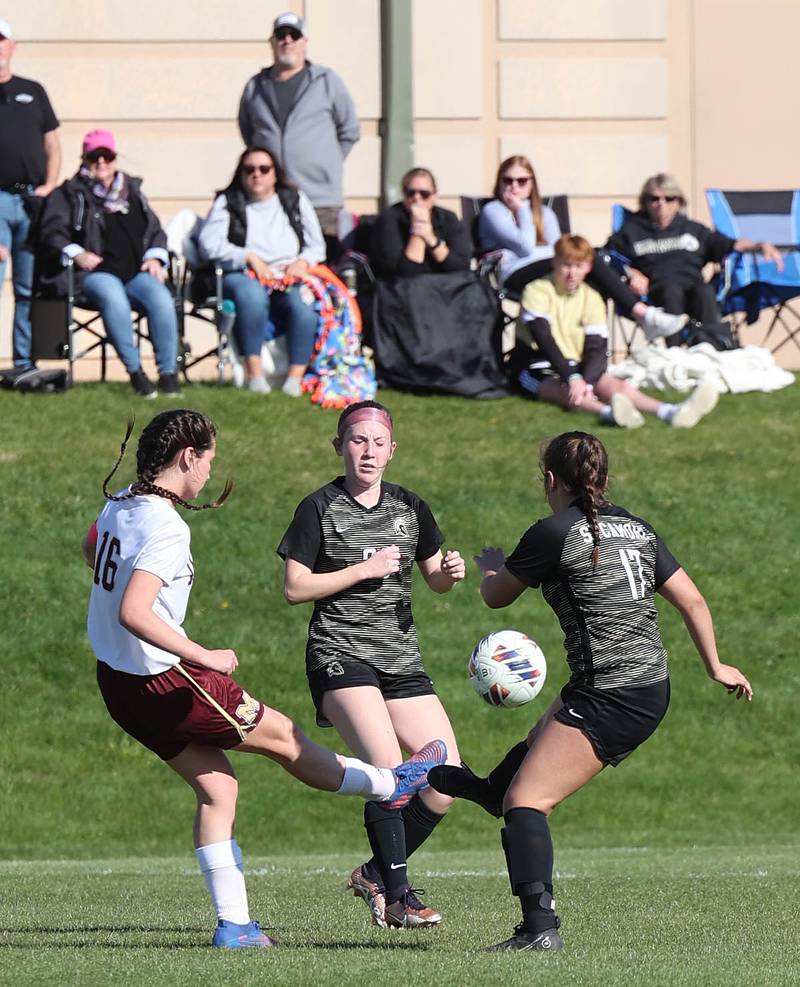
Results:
<point x="606" y="612"/>
<point x="371" y="621"/>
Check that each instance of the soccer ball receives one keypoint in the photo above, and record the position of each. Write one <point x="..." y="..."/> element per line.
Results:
<point x="507" y="669"/>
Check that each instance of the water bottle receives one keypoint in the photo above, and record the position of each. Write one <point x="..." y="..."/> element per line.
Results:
<point x="226" y="317"/>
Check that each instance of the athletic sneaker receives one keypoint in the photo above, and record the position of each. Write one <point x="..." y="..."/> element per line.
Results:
<point x="658" y="323"/>
<point x="409" y="912"/>
<point x="258" y="385"/>
<point x="141" y="384"/>
<point x="463" y="783"/>
<point x="372" y="893"/>
<point x="229" y="935"/>
<point x="412" y="775"/>
<point x="293" y="386"/>
<point x="549" y="940"/>
<point x="168" y="384"/>
<point x="700" y="402"/>
<point x="624" y="413"/>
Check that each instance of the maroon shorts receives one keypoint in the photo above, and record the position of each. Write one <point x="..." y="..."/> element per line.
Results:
<point x="165" y="712"/>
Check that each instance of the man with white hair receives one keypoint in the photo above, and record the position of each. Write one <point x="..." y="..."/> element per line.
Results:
<point x="30" y="158"/>
<point x="304" y="116"/>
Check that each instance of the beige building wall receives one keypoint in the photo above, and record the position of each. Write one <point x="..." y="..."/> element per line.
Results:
<point x="598" y="93"/>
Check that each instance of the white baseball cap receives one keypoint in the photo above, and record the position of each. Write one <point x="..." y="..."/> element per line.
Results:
<point x="5" y="30"/>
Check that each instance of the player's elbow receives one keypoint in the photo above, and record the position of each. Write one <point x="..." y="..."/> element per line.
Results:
<point x="293" y="595"/>
<point x="129" y="616"/>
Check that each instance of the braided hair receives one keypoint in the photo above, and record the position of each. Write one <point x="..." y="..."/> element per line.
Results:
<point x="580" y="461"/>
<point x="159" y="443"/>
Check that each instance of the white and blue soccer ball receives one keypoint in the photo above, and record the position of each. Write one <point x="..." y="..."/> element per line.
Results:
<point x="507" y="668"/>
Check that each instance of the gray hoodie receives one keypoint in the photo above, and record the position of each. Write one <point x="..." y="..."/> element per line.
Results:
<point x="320" y="129"/>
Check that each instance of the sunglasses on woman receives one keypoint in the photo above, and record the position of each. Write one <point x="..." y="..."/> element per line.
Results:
<point x="94" y="156"/>
<point x="515" y="180"/>
<point x="423" y="193"/>
<point x="653" y="199"/>
<point x="261" y="169"/>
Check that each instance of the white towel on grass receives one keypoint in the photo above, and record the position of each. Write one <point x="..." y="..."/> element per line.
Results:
<point x="751" y="368"/>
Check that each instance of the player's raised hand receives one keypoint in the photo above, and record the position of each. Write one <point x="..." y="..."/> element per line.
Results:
<point x="733" y="680"/>
<point x="382" y="563"/>
<point x="453" y="565"/>
<point x="490" y="560"/>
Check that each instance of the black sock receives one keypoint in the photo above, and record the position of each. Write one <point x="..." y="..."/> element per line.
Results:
<point x="529" y="854"/>
<point x="420" y="822"/>
<point x="387" y="837"/>
<point x="501" y="777"/>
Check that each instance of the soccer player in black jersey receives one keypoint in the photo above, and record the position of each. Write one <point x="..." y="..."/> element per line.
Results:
<point x="351" y="548"/>
<point x="598" y="567"/>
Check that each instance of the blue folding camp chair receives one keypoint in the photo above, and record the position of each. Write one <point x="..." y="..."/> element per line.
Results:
<point x="750" y="284"/>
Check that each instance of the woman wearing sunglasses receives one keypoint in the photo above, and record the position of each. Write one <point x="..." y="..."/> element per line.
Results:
<point x="101" y="221"/>
<point x="416" y="236"/>
<point x="266" y="235"/>
<point x="518" y="224"/>
<point x="668" y="252"/>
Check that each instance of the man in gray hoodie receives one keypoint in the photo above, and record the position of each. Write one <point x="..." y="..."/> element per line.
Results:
<point x="304" y="116"/>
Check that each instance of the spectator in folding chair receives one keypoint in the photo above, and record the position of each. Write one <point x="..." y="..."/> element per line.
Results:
<point x="434" y="320"/>
<point x="417" y="236"/>
<point x="668" y="252"/>
<point x="518" y="224"/>
<point x="101" y="220"/>
<point x="266" y="234"/>
<point x="565" y="364"/>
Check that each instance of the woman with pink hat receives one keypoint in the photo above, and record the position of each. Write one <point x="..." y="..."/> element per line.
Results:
<point x="101" y="220"/>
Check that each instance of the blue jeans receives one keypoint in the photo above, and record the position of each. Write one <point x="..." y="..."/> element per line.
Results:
<point x="146" y="295"/>
<point x="256" y="308"/>
<point x="14" y="226"/>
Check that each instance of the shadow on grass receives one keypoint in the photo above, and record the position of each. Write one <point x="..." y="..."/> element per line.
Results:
<point x="100" y="943"/>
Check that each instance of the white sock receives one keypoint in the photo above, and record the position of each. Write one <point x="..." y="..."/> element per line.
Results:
<point x="666" y="412"/>
<point x="606" y="415"/>
<point x="365" y="779"/>
<point x="223" y="870"/>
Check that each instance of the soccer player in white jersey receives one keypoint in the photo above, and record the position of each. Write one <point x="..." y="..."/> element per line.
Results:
<point x="598" y="567"/>
<point x="351" y="549"/>
<point x="177" y="697"/>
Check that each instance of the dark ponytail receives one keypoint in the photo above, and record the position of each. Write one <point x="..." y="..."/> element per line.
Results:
<point x="159" y="443"/>
<point x="580" y="461"/>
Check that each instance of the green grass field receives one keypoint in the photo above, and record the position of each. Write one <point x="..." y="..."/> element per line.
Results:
<point x="641" y="916"/>
<point x="664" y="899"/>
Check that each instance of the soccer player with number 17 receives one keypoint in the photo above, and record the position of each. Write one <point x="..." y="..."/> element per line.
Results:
<point x="598" y="567"/>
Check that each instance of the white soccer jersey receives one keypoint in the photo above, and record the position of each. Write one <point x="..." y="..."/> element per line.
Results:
<point x="145" y="532"/>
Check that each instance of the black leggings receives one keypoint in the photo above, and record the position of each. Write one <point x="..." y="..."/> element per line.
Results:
<point x="696" y="298"/>
<point x="602" y="278"/>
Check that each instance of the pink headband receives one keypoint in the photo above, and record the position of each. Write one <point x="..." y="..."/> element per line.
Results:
<point x="366" y="415"/>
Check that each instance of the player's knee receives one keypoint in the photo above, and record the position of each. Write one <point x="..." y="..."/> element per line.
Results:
<point x="517" y="798"/>
<point x="219" y="790"/>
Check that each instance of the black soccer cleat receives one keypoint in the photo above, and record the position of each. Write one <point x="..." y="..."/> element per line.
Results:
<point x="548" y="941"/>
<point x="463" y="783"/>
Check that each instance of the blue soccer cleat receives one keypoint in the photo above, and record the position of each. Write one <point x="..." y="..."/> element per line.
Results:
<point x="229" y="935"/>
<point x="412" y="775"/>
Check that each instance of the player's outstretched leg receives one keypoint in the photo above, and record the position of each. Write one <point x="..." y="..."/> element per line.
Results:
<point x="487" y="792"/>
<point x="412" y="775"/>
